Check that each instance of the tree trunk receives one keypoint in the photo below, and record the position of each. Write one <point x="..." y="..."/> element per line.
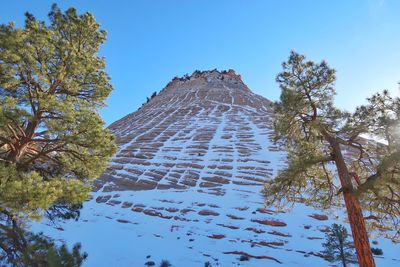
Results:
<point x="359" y="231"/>
<point x="344" y="262"/>
<point x="354" y="211"/>
<point x="342" y="256"/>
<point x="19" y="150"/>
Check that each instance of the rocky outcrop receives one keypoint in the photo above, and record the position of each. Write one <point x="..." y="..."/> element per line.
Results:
<point x="167" y="143"/>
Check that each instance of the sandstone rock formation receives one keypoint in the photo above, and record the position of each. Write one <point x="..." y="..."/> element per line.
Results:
<point x="200" y="131"/>
<point x="185" y="185"/>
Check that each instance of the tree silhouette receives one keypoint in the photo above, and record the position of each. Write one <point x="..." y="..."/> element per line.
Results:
<point x="337" y="246"/>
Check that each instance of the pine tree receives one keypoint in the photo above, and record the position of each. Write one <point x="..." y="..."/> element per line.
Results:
<point x="52" y="85"/>
<point x="20" y="248"/>
<point x="316" y="136"/>
<point x="337" y="246"/>
<point x="165" y="263"/>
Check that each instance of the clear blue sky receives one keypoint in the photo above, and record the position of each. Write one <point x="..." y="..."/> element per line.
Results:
<point x="151" y="41"/>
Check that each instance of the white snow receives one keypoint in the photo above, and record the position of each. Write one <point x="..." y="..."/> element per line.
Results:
<point x="116" y="236"/>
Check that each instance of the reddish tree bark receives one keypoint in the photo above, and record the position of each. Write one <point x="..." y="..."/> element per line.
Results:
<point x="359" y="231"/>
<point x="354" y="211"/>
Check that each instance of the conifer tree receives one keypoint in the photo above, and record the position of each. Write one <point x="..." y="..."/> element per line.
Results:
<point x="337" y="246"/>
<point x="165" y="263"/>
<point x="330" y="160"/>
<point x="52" y="85"/>
<point x="20" y="248"/>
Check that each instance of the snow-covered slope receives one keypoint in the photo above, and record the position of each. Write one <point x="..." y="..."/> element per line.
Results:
<point x="185" y="186"/>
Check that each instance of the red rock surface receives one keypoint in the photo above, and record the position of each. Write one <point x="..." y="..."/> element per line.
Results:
<point x="216" y="236"/>
<point x="320" y="217"/>
<point x="252" y="256"/>
<point x="144" y="135"/>
<point x="270" y="222"/>
<point x="208" y="213"/>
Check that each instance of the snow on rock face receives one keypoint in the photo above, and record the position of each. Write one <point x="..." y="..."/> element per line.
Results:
<point x="203" y="133"/>
<point x="185" y="186"/>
